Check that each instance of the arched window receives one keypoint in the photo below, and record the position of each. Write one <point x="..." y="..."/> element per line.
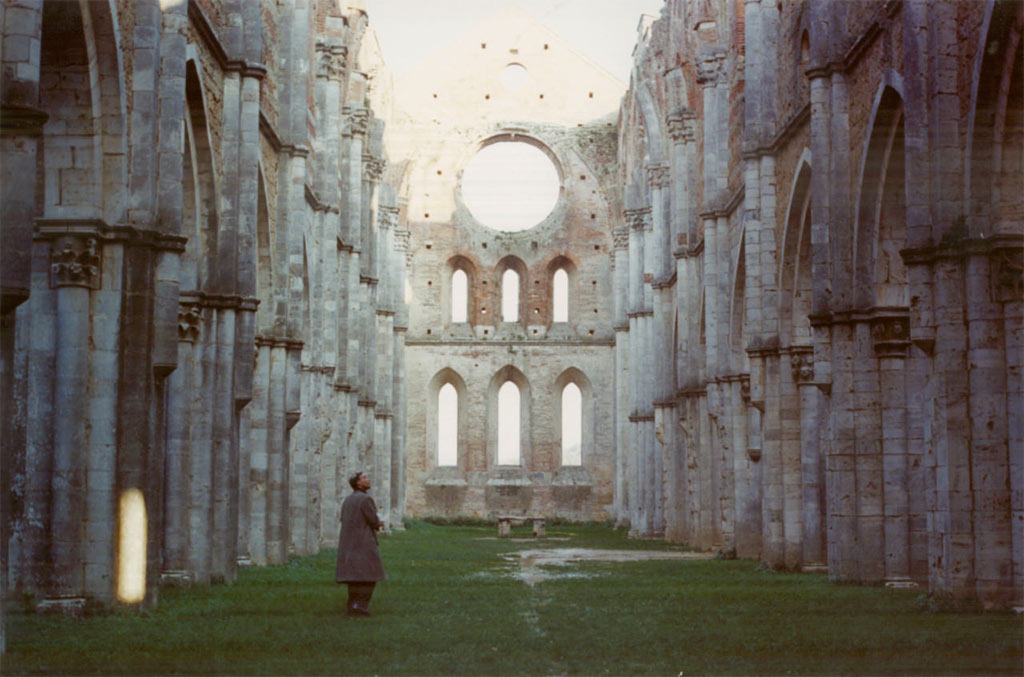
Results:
<point x="460" y="296"/>
<point x="508" y="424"/>
<point x="560" y="296"/>
<point x="510" y="296"/>
<point x="447" y="426"/>
<point x="572" y="425"/>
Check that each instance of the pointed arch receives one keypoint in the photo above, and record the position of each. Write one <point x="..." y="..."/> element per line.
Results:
<point x="460" y="280"/>
<point x="508" y="425"/>
<point x="446" y="420"/>
<point x="561" y="289"/>
<point x="199" y="211"/>
<point x="574" y="420"/>
<point x="995" y="142"/>
<point x="511" y="289"/>
<point x="880" y="277"/>
<point x="795" y="265"/>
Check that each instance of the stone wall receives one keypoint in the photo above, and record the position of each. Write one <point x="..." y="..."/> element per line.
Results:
<point x="847" y="316"/>
<point x="201" y="290"/>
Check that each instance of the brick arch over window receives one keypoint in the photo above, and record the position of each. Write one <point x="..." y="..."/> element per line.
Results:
<point x="474" y="310"/>
<point x="586" y="424"/>
<point x="561" y="291"/>
<point x="516" y="265"/>
<point x="437" y="429"/>
<point x="509" y="374"/>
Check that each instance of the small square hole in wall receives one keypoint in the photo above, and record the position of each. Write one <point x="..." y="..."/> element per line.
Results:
<point x="591" y="332"/>
<point x="583" y="177"/>
<point x="483" y="311"/>
<point x="487" y="96"/>
<point x="591" y="95"/>
<point x="536" y="281"/>
<point x="483" y="45"/>
<point x="435" y="95"/>
<point x="597" y="247"/>
<point x="533" y="245"/>
<point x="513" y="51"/>
<point x="484" y="245"/>
<point x="545" y="45"/>
<point x="541" y="96"/>
<point x="536" y="311"/>
<point x="486" y="332"/>
<point x="579" y="124"/>
<point x="534" y="331"/>
<point x="426" y="215"/>
<point x="439" y="172"/>
<point x="593" y="216"/>
<point x="428" y="332"/>
<point x="593" y="282"/>
<point x="428" y="246"/>
<point x="429" y="283"/>
<point x="595" y="310"/>
<point x="484" y="283"/>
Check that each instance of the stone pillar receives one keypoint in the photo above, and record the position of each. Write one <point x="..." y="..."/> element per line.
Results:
<point x="891" y="335"/>
<point x="277" y="455"/>
<point x="74" y="271"/>
<point x="620" y="273"/>
<point x="812" y="476"/>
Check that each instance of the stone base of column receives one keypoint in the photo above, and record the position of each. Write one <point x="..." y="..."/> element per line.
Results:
<point x="899" y="583"/>
<point x="177" y="577"/>
<point x="244" y="561"/>
<point x="69" y="606"/>
<point x="814" y="568"/>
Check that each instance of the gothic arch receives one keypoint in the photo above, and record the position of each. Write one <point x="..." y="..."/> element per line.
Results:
<point x="880" y="278"/>
<point x="265" y="271"/>
<point x="199" y="209"/>
<point x="516" y="264"/>
<point x="545" y="299"/>
<point x="795" y="275"/>
<point x="468" y="266"/>
<point x="995" y="142"/>
<point x="513" y="374"/>
<point x="444" y="377"/>
<point x="578" y="378"/>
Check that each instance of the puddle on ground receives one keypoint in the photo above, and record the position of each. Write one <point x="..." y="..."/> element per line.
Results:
<point x="532" y="561"/>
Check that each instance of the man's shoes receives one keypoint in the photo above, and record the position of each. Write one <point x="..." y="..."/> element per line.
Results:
<point x="356" y="610"/>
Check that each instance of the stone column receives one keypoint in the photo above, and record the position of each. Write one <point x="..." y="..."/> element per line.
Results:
<point x="74" y="271"/>
<point x="254" y="482"/>
<point x="812" y="476"/>
<point x="277" y="455"/>
<point x="891" y="335"/>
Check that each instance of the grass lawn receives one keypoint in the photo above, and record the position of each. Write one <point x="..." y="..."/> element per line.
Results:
<point x="452" y="606"/>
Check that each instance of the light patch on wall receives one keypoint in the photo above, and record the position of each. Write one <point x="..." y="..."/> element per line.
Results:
<point x="560" y="293"/>
<point x="131" y="560"/>
<point x="572" y="425"/>
<point x="508" y="424"/>
<point x="510" y="296"/>
<point x="448" y="426"/>
<point x="514" y="76"/>
<point x="170" y="4"/>
<point x="510" y="186"/>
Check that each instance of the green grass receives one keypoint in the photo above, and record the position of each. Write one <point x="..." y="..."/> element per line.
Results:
<point x="451" y="607"/>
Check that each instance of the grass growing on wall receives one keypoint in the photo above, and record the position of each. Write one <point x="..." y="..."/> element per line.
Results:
<point x="452" y="606"/>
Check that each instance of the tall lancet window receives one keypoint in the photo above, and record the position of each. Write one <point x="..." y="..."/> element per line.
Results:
<point x="572" y="425"/>
<point x="447" y="426"/>
<point x="508" y="424"/>
<point x="460" y="296"/>
<point x="510" y="296"/>
<point x="560" y="296"/>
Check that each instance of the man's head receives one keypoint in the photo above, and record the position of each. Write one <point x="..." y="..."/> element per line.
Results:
<point x="359" y="480"/>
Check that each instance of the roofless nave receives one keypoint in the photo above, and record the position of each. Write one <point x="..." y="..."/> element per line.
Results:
<point x="775" y="308"/>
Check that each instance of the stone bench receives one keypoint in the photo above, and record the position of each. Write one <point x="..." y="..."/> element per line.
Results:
<point x="505" y="525"/>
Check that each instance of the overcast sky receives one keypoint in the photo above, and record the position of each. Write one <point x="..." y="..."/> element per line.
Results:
<point x="605" y="30"/>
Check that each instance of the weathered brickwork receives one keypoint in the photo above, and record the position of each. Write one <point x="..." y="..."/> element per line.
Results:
<point x="174" y="277"/>
<point x="847" y="376"/>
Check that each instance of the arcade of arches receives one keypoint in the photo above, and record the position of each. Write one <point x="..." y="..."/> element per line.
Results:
<point x="771" y="307"/>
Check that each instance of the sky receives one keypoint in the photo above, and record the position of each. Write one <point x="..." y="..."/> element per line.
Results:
<point x="604" y="30"/>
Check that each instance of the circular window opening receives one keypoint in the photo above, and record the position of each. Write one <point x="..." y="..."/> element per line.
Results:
<point x="514" y="76"/>
<point x="510" y="186"/>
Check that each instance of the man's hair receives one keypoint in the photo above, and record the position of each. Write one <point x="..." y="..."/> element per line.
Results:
<point x="354" y="478"/>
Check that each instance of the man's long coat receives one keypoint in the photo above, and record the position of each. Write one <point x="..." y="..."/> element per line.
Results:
<point x="358" y="554"/>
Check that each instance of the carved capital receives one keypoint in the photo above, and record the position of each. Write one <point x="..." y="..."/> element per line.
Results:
<point x="681" y="126"/>
<point x="190" y="320"/>
<point x="638" y="219"/>
<point x="658" y="176"/>
<point x="891" y="335"/>
<point x="330" y="61"/>
<point x="75" y="262"/>
<point x="387" y="217"/>
<point x="1008" y="274"/>
<point x="357" y="120"/>
<point x="620" y="238"/>
<point x="373" y="168"/>
<point x="801" y="359"/>
<point x="711" y="67"/>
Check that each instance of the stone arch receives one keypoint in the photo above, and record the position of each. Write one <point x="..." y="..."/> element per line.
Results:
<point x="199" y="209"/>
<point x="795" y="275"/>
<point x="577" y="377"/>
<point x="464" y="263"/>
<point x="516" y="264"/>
<point x="880" y="278"/>
<point x="446" y="376"/>
<point x="545" y="301"/>
<point x="651" y="113"/>
<point x="995" y="142"/>
<point x="737" y="316"/>
<point x="265" y="291"/>
<point x="509" y="373"/>
<point x="81" y="88"/>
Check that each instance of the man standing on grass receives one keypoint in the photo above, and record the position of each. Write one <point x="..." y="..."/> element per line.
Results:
<point x="359" y="563"/>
